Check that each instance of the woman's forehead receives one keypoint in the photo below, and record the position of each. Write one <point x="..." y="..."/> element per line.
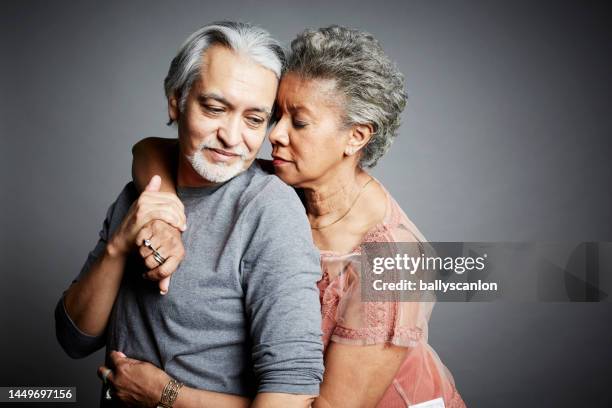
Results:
<point x="298" y="92"/>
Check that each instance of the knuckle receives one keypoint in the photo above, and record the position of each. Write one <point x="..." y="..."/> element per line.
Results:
<point x="164" y="271"/>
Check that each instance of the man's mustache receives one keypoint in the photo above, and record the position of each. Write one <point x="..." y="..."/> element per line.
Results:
<point x="239" y="151"/>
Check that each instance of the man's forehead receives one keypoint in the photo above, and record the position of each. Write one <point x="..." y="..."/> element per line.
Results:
<point x="236" y="79"/>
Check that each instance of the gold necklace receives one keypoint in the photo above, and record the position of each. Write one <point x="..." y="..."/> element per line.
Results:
<point x="347" y="211"/>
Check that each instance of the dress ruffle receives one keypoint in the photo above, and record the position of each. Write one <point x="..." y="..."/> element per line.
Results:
<point x="349" y="320"/>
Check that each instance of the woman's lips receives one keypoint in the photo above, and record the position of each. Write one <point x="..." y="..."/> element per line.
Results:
<point x="276" y="161"/>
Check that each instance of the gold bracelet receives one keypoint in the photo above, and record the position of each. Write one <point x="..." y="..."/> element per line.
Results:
<point x="169" y="394"/>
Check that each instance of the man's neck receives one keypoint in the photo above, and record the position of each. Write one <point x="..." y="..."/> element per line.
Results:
<point x="186" y="176"/>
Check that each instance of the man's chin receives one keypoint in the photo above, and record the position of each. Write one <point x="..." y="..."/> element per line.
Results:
<point x="220" y="173"/>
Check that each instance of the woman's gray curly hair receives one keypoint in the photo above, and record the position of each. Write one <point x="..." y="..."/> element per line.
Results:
<point x="372" y="85"/>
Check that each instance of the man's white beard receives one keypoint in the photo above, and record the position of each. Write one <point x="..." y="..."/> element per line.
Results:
<point x="216" y="172"/>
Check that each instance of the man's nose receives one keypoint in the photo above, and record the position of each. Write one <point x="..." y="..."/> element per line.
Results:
<point x="279" y="135"/>
<point x="230" y="133"/>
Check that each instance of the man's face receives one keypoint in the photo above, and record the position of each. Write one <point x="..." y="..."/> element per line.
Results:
<point x="225" y="117"/>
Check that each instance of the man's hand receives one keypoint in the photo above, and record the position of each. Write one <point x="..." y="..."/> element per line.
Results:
<point x="151" y="205"/>
<point x="166" y="240"/>
<point x="136" y="383"/>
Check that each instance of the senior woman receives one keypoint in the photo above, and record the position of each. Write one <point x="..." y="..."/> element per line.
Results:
<point x="338" y="110"/>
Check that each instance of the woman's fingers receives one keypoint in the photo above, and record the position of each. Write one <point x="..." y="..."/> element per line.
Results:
<point x="164" y="285"/>
<point x="166" y="241"/>
<point x="152" y="263"/>
<point x="118" y="358"/>
<point x="145" y="232"/>
<point x="164" y="270"/>
<point x="105" y="374"/>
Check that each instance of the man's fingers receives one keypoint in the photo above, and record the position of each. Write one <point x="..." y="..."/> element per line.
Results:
<point x="160" y="197"/>
<point x="154" y="184"/>
<point x="167" y="199"/>
<point x="152" y="199"/>
<point x="168" y="214"/>
<point x="159" y="212"/>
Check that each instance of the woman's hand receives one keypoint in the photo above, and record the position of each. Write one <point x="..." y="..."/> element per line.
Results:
<point x="136" y="383"/>
<point x="166" y="240"/>
<point x="151" y="205"/>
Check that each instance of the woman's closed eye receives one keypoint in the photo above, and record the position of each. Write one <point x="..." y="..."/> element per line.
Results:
<point x="299" y="124"/>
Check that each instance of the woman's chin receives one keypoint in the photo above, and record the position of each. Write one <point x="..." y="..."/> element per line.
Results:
<point x="289" y="177"/>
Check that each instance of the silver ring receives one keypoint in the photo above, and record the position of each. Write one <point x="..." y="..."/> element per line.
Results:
<point x="105" y="375"/>
<point x="156" y="255"/>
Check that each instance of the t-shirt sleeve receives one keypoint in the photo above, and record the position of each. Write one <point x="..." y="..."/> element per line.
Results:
<point x="74" y="342"/>
<point x="280" y="269"/>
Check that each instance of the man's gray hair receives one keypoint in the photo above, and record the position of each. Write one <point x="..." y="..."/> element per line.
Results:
<point x="372" y="86"/>
<point x="243" y="38"/>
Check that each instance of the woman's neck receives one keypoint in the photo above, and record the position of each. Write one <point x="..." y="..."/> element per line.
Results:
<point x="333" y="196"/>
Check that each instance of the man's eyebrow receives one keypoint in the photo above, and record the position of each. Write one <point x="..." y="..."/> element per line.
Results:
<point x="216" y="97"/>
<point x="221" y="99"/>
<point x="260" y="109"/>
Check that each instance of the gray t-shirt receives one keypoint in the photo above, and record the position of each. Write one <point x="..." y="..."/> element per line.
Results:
<point x="242" y="314"/>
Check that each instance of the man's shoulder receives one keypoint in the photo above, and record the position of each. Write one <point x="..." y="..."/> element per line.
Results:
<point x="122" y="203"/>
<point x="266" y="189"/>
<point x="127" y="195"/>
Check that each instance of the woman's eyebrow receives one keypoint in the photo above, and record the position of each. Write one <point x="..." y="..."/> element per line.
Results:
<point x="299" y="109"/>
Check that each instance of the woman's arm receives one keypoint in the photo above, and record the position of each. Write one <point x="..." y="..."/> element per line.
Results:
<point x="155" y="155"/>
<point x="141" y="383"/>
<point x="358" y="376"/>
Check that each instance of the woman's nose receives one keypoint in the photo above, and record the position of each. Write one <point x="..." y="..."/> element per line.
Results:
<point x="278" y="135"/>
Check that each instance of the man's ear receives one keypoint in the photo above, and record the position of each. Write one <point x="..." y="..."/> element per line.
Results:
<point x="359" y="137"/>
<point x="173" y="108"/>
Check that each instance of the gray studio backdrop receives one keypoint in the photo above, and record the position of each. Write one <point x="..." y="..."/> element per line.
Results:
<point x="506" y="137"/>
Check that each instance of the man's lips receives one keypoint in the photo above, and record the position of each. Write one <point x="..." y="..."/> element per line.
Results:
<point x="220" y="155"/>
<point x="223" y="152"/>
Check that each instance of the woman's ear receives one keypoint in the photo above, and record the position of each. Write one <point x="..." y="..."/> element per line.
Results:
<point x="173" y="108"/>
<point x="359" y="137"/>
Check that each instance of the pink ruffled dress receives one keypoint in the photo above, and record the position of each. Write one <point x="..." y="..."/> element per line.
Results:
<point x="346" y="319"/>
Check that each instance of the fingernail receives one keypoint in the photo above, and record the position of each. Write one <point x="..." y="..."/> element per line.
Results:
<point x="163" y="292"/>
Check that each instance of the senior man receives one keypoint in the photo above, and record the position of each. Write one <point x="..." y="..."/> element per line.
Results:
<point x="241" y="316"/>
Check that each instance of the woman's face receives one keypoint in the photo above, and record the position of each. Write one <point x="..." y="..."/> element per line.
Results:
<point x="309" y="139"/>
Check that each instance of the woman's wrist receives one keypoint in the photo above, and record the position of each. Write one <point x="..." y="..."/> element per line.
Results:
<point x="169" y="393"/>
<point x="116" y="249"/>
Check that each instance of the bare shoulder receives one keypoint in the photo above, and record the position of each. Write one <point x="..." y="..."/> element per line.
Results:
<point x="375" y="202"/>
